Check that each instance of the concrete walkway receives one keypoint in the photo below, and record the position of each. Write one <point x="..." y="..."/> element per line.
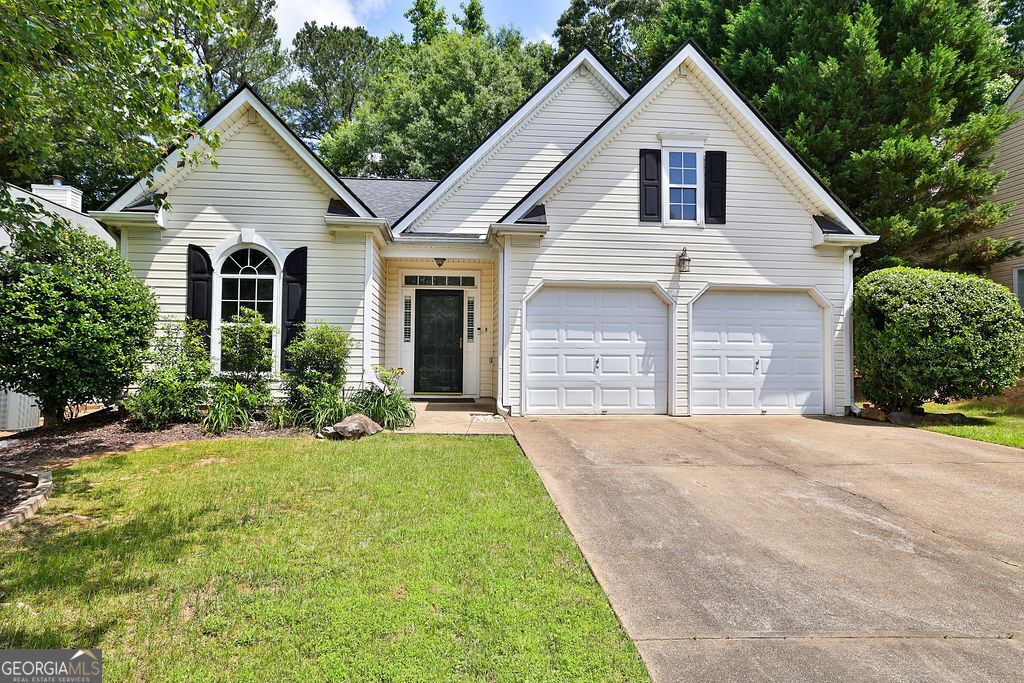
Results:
<point x="796" y="548"/>
<point x="457" y="417"/>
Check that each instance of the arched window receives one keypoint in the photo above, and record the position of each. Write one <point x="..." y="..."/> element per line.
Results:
<point x="248" y="279"/>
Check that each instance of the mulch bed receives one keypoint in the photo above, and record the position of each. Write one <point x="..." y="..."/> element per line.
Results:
<point x="101" y="433"/>
<point x="13" y="492"/>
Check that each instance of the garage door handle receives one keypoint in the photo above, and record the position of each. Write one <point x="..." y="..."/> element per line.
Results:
<point x="597" y="362"/>
<point x="757" y="363"/>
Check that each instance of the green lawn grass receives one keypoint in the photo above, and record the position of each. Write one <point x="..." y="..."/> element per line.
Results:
<point x="999" y="419"/>
<point x="393" y="558"/>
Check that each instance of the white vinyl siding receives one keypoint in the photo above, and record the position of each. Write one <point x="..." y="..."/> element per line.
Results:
<point x="499" y="180"/>
<point x="595" y="233"/>
<point x="256" y="185"/>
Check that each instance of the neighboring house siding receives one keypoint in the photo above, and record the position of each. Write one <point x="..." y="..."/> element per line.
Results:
<point x="258" y="185"/>
<point x="595" y="233"/>
<point x="521" y="159"/>
<point x="1010" y="158"/>
<point x="486" y="310"/>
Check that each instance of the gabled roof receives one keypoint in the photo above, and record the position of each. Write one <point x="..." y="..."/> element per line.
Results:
<point x="242" y="96"/>
<point x="585" y="58"/>
<point x="695" y="59"/>
<point x="390" y="198"/>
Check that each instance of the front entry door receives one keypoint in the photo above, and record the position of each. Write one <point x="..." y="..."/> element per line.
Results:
<point x="438" y="362"/>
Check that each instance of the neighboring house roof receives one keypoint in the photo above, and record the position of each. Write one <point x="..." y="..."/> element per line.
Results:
<point x="694" y="58"/>
<point x="390" y="198"/>
<point x="138" y="189"/>
<point x="585" y="58"/>
<point x="84" y="221"/>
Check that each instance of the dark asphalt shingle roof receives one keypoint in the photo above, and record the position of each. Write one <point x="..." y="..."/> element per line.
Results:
<point x="389" y="198"/>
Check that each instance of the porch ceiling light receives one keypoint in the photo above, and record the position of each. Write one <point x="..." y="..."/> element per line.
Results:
<point x="683" y="261"/>
<point x="440" y="261"/>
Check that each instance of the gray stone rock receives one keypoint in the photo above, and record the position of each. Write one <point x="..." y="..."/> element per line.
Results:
<point x="327" y="433"/>
<point x="902" y="417"/>
<point x="873" y="413"/>
<point x="356" y="427"/>
<point x="943" y="419"/>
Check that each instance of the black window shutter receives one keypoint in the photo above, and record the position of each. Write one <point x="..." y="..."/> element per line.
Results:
<point x="714" y="187"/>
<point x="650" y="185"/>
<point x="294" y="308"/>
<point x="199" y="295"/>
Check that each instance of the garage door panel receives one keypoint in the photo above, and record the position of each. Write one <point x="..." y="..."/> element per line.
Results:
<point x="757" y="352"/>
<point x="611" y="347"/>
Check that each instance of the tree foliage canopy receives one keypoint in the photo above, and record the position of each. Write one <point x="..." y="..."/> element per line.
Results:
<point x="436" y="103"/>
<point x="75" y="323"/>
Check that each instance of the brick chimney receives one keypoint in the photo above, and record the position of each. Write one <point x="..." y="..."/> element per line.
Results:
<point x="59" y="193"/>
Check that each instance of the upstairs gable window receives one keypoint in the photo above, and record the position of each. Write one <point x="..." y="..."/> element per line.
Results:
<point x="682" y="171"/>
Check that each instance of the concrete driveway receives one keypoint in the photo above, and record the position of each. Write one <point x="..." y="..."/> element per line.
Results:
<point x="796" y="548"/>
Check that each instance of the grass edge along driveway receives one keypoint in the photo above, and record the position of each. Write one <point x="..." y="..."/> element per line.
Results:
<point x="396" y="557"/>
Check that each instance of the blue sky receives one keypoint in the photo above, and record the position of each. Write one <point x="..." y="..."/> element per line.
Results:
<point x="535" y="18"/>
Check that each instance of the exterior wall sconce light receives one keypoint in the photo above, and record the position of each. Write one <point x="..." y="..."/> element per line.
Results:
<point x="683" y="261"/>
<point x="440" y="261"/>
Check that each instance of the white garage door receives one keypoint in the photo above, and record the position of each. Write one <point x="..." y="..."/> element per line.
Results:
<point x="596" y="350"/>
<point x="757" y="352"/>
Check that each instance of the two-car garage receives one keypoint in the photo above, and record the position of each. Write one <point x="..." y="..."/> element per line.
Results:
<point x="607" y="349"/>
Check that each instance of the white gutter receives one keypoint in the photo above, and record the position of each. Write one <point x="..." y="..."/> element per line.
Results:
<point x="525" y="229"/>
<point x="844" y="240"/>
<point x="350" y="224"/>
<point x="131" y="219"/>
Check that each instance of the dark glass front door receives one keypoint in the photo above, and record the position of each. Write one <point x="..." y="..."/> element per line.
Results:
<point x="438" y="342"/>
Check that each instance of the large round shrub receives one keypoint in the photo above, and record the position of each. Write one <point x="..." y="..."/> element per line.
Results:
<point x="925" y="335"/>
<point x="75" y="323"/>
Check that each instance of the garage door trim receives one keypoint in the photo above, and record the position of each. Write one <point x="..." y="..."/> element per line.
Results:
<point x="827" y="328"/>
<point x="655" y="287"/>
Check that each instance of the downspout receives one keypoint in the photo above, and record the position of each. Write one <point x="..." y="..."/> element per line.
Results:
<point x="504" y="246"/>
<point x="367" y="305"/>
<point x="851" y="254"/>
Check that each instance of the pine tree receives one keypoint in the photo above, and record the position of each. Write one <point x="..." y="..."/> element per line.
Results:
<point x="891" y="103"/>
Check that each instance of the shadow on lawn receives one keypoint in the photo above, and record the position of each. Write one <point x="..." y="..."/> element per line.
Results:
<point x="66" y="563"/>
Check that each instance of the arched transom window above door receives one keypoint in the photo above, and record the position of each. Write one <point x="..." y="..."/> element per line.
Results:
<point x="248" y="279"/>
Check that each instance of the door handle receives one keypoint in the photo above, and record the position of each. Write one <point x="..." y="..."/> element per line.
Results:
<point x="460" y="342"/>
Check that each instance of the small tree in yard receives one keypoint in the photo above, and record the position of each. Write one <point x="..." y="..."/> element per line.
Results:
<point x="75" y="324"/>
<point x="924" y="335"/>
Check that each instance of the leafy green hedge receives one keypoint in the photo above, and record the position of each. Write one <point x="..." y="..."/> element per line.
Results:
<point x="925" y="335"/>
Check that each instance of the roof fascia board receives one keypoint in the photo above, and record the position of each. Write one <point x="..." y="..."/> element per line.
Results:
<point x="584" y="58"/>
<point x="360" y="224"/>
<point x="690" y="52"/>
<point x="537" y="230"/>
<point x="833" y="240"/>
<point x="243" y="96"/>
<point x="130" y="219"/>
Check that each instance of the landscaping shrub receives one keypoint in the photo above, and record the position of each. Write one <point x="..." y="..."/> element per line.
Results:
<point x="75" y="323"/>
<point x="315" y="381"/>
<point x="924" y="335"/>
<point x="175" y="387"/>
<point x="383" y="401"/>
<point x="246" y="355"/>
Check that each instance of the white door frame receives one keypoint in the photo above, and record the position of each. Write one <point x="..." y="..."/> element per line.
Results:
<point x="470" y="350"/>
<point x="828" y="327"/>
<point x="617" y="284"/>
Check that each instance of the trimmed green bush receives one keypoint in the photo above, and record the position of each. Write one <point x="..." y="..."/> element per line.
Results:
<point x="383" y="401"/>
<point x="926" y="335"/>
<point x="75" y="322"/>
<point x="246" y="355"/>
<point x="318" y="365"/>
<point x="175" y="387"/>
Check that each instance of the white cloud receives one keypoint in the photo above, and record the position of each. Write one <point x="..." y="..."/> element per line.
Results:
<point x="543" y="37"/>
<point x="292" y="14"/>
